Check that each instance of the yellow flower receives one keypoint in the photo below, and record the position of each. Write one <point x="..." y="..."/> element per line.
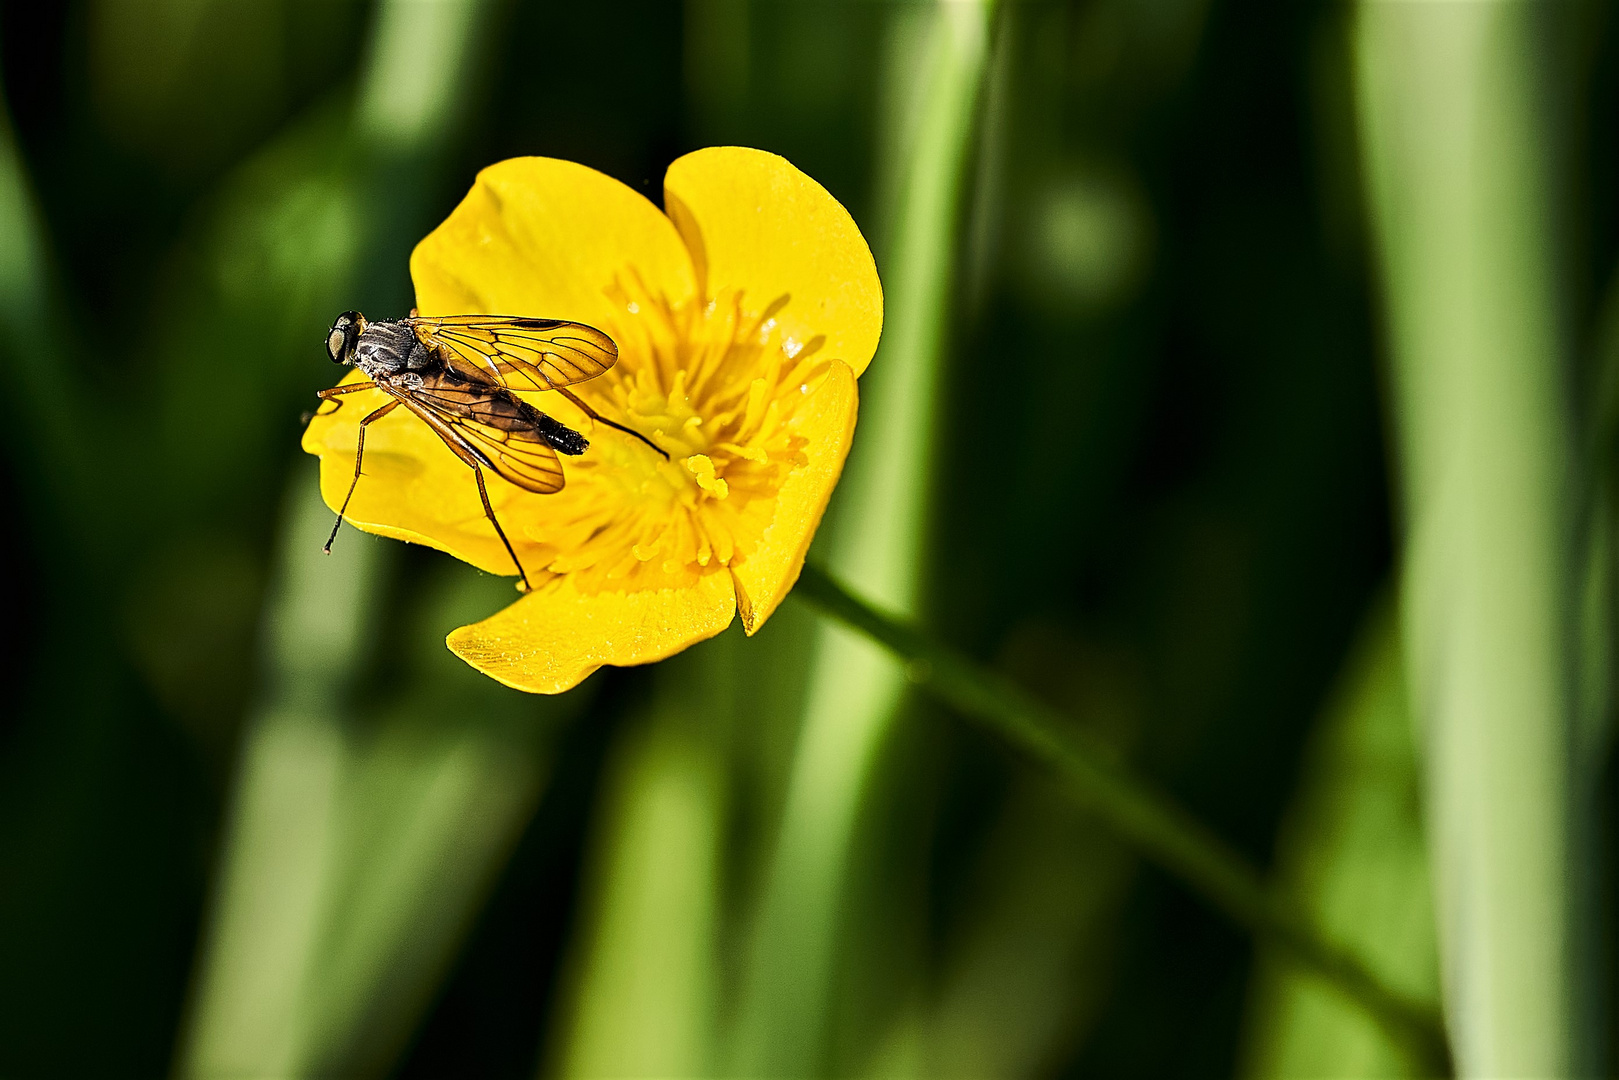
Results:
<point x="742" y="318"/>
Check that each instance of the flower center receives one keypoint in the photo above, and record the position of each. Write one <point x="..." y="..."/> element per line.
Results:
<point x="713" y="385"/>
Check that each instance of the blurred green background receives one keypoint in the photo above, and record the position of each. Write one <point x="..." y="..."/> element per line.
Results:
<point x="1247" y="394"/>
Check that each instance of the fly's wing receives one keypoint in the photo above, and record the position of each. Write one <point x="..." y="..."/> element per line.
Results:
<point x="490" y="427"/>
<point x="518" y="352"/>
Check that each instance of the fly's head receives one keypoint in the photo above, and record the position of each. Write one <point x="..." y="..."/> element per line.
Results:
<point x="344" y="337"/>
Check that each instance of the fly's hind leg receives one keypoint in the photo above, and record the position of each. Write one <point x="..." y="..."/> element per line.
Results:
<point x="359" y="456"/>
<point x="600" y="419"/>
<point x="489" y="512"/>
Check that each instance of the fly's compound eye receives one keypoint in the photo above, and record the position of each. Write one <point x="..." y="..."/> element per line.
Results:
<point x="343" y="336"/>
<point x="335" y="345"/>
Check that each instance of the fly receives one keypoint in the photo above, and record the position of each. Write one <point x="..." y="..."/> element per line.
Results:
<point x="457" y="373"/>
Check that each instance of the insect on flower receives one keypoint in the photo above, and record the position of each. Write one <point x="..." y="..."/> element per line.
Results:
<point x="458" y="374"/>
<point x="743" y="311"/>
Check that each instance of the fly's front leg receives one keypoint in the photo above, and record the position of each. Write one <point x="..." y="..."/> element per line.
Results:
<point x="359" y="456"/>
<point x="339" y="391"/>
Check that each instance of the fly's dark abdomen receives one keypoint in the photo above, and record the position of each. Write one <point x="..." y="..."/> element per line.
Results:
<point x="562" y="438"/>
<point x="513" y="414"/>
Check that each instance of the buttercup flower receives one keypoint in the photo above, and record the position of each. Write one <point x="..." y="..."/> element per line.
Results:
<point x="743" y="317"/>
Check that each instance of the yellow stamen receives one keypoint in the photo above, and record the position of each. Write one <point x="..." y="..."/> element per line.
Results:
<point x="702" y="467"/>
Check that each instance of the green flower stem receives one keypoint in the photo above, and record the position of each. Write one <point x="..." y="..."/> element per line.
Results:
<point x="1149" y="820"/>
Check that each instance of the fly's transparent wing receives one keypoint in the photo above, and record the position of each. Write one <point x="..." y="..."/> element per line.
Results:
<point x="519" y="352"/>
<point x="493" y="429"/>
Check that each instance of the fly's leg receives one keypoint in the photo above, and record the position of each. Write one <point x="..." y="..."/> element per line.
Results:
<point x="339" y="391"/>
<point x="346" y="388"/>
<point x="359" y="456"/>
<point x="600" y="419"/>
<point x="489" y="512"/>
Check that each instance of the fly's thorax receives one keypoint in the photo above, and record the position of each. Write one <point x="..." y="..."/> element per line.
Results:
<point x="386" y="349"/>
<point x="420" y="358"/>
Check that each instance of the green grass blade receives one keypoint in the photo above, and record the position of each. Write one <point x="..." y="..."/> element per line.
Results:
<point x="49" y="416"/>
<point x="430" y="806"/>
<point x="1354" y="853"/>
<point x="1135" y="810"/>
<point x="359" y="853"/>
<point x="1026" y="975"/>
<point x="1459" y="131"/>
<point x="938" y="60"/>
<point x="258" y="955"/>
<point x="643" y="984"/>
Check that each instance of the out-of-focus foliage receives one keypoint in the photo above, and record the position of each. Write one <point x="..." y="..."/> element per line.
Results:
<point x="255" y="817"/>
<point x="1352" y="848"/>
<point x="1461" y="116"/>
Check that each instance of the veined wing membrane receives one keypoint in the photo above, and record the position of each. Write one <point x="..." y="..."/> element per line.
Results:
<point x="485" y="427"/>
<point x="521" y="353"/>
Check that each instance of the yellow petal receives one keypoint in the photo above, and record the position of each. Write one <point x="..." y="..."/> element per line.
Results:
<point x="542" y="237"/>
<point x="549" y="640"/>
<point x="413" y="488"/>
<point x="754" y="222"/>
<point x="826" y="420"/>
